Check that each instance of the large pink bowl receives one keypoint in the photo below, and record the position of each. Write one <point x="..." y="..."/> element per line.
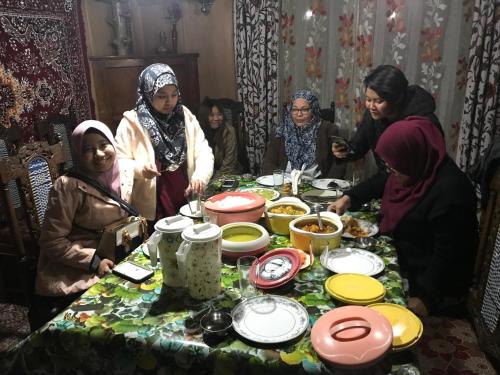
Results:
<point x="250" y="210"/>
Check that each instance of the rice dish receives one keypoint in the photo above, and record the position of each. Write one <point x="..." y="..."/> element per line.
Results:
<point x="233" y="201"/>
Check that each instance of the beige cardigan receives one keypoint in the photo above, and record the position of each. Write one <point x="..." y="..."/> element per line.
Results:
<point x="133" y="142"/>
<point x="65" y="250"/>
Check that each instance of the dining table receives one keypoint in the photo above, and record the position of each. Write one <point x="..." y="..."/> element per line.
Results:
<point x="120" y="327"/>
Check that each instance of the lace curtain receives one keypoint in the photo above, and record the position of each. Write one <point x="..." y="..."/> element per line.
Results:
<point x="330" y="46"/>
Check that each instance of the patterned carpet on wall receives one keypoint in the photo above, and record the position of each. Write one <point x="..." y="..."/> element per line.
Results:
<point x="450" y="347"/>
<point x="43" y="68"/>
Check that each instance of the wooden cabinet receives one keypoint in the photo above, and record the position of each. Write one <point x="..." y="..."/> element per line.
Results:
<point x="115" y="82"/>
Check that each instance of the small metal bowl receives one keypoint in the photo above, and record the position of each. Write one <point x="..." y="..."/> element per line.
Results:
<point x="366" y="242"/>
<point x="216" y="323"/>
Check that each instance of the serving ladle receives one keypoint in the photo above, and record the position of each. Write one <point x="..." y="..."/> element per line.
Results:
<point x="317" y="208"/>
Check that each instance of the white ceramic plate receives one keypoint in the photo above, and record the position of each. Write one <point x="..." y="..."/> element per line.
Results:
<point x="322" y="183"/>
<point x="185" y="211"/>
<point x="265" y="193"/>
<point x="320" y="196"/>
<point x="352" y="260"/>
<point x="370" y="228"/>
<point x="269" y="180"/>
<point x="145" y="251"/>
<point x="270" y="319"/>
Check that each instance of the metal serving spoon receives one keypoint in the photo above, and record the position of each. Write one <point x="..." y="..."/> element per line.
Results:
<point x="317" y="208"/>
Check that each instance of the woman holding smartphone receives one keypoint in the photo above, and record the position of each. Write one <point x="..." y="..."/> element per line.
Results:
<point x="388" y="99"/>
<point x="303" y="139"/>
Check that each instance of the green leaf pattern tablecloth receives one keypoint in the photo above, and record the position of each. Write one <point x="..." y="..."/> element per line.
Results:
<point x="118" y="327"/>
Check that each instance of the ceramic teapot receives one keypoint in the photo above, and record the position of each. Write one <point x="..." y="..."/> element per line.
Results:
<point x="170" y="229"/>
<point x="199" y="260"/>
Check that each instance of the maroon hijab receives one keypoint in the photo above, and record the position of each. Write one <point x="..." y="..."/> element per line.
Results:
<point x="110" y="179"/>
<point x="414" y="147"/>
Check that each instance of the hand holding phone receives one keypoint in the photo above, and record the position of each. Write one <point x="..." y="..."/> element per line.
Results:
<point x="133" y="272"/>
<point x="341" y="147"/>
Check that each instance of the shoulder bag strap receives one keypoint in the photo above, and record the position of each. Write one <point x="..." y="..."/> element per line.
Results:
<point x="123" y="204"/>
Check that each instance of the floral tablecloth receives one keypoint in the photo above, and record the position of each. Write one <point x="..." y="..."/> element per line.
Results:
<point x="118" y="327"/>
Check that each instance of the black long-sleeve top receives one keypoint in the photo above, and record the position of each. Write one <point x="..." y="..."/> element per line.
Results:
<point x="418" y="102"/>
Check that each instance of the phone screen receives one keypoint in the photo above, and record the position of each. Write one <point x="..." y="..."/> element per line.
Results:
<point x="227" y="184"/>
<point x="132" y="271"/>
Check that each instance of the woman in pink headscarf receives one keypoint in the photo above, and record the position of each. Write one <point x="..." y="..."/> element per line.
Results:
<point x="76" y="214"/>
<point x="429" y="208"/>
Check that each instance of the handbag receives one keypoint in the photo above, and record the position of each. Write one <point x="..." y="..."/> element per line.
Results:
<point x="119" y="238"/>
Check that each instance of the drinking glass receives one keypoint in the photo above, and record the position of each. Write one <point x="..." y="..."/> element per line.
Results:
<point x="278" y="177"/>
<point x="247" y="270"/>
<point x="356" y="177"/>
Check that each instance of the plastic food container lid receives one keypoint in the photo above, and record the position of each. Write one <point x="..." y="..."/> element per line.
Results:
<point x="201" y="232"/>
<point x="407" y="328"/>
<point x="276" y="268"/>
<point x="355" y="287"/>
<point x="352" y="336"/>
<point x="173" y="224"/>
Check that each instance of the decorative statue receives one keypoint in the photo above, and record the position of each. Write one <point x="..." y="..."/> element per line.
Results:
<point x="119" y="20"/>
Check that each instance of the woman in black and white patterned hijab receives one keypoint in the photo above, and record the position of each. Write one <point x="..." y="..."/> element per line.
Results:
<point x="166" y="139"/>
<point x="159" y="110"/>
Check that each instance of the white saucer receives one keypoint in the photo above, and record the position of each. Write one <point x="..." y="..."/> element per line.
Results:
<point x="352" y="260"/>
<point x="322" y="183"/>
<point x="185" y="211"/>
<point x="269" y="180"/>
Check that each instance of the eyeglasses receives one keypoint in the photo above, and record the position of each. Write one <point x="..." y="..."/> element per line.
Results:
<point x="302" y="111"/>
<point x="389" y="168"/>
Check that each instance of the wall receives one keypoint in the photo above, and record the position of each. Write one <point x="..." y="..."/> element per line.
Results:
<point x="211" y="36"/>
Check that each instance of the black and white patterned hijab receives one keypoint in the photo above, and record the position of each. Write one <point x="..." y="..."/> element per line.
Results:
<point x="166" y="131"/>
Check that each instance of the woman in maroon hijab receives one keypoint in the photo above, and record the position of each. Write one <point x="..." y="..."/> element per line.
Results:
<point x="429" y="208"/>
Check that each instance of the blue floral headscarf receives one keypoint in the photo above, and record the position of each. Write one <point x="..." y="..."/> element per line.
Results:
<point x="167" y="132"/>
<point x="300" y="142"/>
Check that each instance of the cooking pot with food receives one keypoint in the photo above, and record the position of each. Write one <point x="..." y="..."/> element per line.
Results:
<point x="279" y="214"/>
<point x="305" y="232"/>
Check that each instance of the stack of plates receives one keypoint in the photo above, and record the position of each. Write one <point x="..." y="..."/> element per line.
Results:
<point x="407" y="328"/>
<point x="355" y="289"/>
<point x="352" y="260"/>
<point x="270" y="319"/>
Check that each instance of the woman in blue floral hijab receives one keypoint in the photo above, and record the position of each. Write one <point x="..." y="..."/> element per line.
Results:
<point x="303" y="140"/>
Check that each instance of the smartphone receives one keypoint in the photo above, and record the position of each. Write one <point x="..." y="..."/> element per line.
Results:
<point x="132" y="272"/>
<point x="342" y="142"/>
<point x="229" y="184"/>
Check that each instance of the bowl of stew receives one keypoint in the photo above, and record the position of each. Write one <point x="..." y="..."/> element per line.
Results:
<point x="305" y="232"/>
<point x="279" y="214"/>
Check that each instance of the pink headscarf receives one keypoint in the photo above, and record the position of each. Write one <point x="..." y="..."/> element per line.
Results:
<point x="414" y="147"/>
<point x="110" y="179"/>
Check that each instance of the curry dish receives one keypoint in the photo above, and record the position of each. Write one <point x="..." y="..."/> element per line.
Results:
<point x="353" y="227"/>
<point x="286" y="209"/>
<point x="314" y="228"/>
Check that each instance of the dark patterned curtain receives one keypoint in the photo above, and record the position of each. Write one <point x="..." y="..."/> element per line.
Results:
<point x="43" y="63"/>
<point x="481" y="116"/>
<point x="256" y="26"/>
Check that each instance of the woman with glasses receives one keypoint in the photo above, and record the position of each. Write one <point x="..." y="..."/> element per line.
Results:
<point x="221" y="137"/>
<point x="303" y="139"/>
<point x="164" y="136"/>
<point x="388" y="99"/>
<point x="429" y="209"/>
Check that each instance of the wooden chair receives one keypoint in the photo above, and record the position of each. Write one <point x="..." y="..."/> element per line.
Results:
<point x="32" y="170"/>
<point x="234" y="113"/>
<point x="57" y="128"/>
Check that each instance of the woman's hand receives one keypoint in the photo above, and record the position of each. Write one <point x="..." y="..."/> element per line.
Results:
<point x="341" y="205"/>
<point x="197" y="186"/>
<point x="339" y="151"/>
<point x="150" y="172"/>
<point x="416" y="305"/>
<point x="105" y="267"/>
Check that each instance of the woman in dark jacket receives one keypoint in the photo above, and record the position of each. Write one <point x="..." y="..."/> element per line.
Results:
<point x="302" y="139"/>
<point x="221" y="137"/>
<point x="388" y="99"/>
<point x="429" y="208"/>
